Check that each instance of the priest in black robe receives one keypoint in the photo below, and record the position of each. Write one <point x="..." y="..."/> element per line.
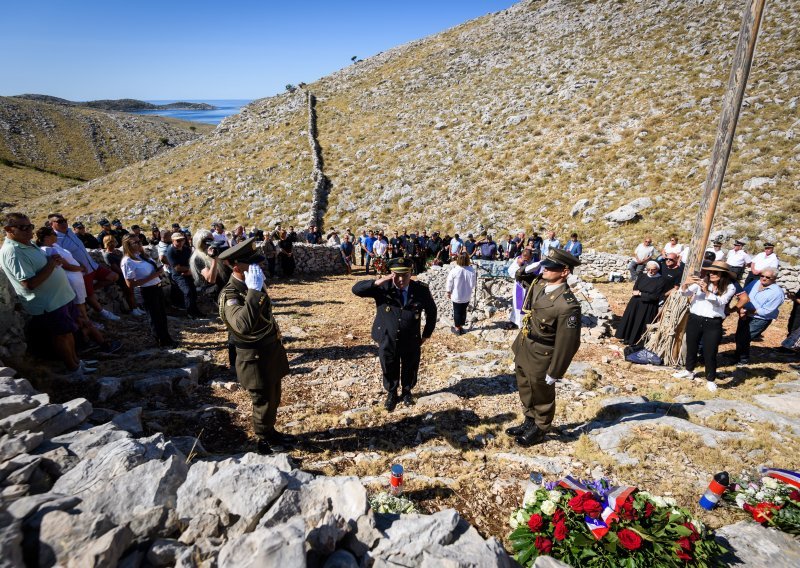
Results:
<point x="643" y="305"/>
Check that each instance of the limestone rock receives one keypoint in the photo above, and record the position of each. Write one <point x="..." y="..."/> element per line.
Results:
<point x="74" y="413"/>
<point x="282" y="545"/>
<point x="10" y="386"/>
<point x="247" y="490"/>
<point x="10" y="542"/>
<point x="341" y="559"/>
<point x="29" y="419"/>
<point x="164" y="552"/>
<point x="629" y="211"/>
<point x="61" y="534"/>
<point x="752" y="545"/>
<point x="109" y="386"/>
<point x="16" y="403"/>
<point x="13" y="445"/>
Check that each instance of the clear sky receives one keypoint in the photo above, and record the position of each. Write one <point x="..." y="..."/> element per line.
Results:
<point x="87" y="49"/>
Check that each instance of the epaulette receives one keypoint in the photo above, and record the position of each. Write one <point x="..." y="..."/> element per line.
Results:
<point x="569" y="296"/>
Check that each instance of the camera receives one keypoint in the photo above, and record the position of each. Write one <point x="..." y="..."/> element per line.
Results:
<point x="215" y="248"/>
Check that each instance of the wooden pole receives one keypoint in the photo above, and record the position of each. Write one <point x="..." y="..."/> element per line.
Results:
<point x="666" y="342"/>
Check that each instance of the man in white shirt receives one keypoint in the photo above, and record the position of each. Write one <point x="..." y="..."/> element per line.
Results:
<point x="551" y="242"/>
<point x="761" y="262"/>
<point x="218" y="232"/>
<point x="380" y="247"/>
<point x="456" y="244"/>
<point x="737" y="259"/>
<point x="643" y="253"/>
<point x="672" y="246"/>
<point x="716" y="248"/>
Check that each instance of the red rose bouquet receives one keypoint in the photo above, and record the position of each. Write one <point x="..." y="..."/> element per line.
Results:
<point x="772" y="499"/>
<point x="597" y="525"/>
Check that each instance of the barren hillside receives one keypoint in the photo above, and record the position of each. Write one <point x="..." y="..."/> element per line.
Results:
<point x="548" y="114"/>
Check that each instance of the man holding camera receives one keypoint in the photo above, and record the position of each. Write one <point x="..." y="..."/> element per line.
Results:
<point x="400" y="304"/>
<point x="261" y="360"/>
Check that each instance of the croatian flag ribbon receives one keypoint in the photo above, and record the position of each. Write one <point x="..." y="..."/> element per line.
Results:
<point x="787" y="476"/>
<point x="597" y="527"/>
<point x="614" y="501"/>
<point x="570" y="482"/>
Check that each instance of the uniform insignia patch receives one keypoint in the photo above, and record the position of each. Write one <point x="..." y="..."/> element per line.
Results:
<point x="573" y="321"/>
<point x="233" y="302"/>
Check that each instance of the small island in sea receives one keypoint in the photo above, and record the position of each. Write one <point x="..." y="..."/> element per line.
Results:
<point x="123" y="105"/>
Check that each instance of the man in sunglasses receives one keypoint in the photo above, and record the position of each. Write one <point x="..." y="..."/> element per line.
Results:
<point x="42" y="286"/>
<point x="766" y="298"/>
<point x="549" y="338"/>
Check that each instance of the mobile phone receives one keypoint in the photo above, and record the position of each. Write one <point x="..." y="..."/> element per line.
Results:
<point x="696" y="274"/>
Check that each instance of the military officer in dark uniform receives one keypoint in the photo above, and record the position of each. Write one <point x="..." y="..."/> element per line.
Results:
<point x="400" y="304"/>
<point x="261" y="360"/>
<point x="549" y="338"/>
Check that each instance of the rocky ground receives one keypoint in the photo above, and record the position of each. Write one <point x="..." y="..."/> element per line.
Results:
<point x="635" y="424"/>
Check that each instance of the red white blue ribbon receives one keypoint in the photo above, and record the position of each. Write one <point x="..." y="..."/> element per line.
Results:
<point x="787" y="476"/>
<point x="599" y="527"/>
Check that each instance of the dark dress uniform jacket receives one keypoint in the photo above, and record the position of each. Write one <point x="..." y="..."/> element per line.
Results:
<point x="261" y="360"/>
<point x="394" y="320"/>
<point x="396" y="329"/>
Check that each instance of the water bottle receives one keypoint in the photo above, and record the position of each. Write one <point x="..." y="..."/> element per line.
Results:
<point x="396" y="480"/>
<point x="715" y="490"/>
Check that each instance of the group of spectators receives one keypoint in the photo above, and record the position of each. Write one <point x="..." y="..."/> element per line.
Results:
<point x="438" y="250"/>
<point x="713" y="294"/>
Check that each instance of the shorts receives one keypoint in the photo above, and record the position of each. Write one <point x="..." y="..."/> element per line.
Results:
<point x="78" y="286"/>
<point x="60" y="321"/>
<point x="89" y="279"/>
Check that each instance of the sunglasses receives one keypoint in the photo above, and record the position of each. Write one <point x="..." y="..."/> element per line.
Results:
<point x="61" y="221"/>
<point x="768" y="278"/>
<point x="22" y="227"/>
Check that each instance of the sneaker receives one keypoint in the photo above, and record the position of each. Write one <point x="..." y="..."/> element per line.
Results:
<point x="742" y="362"/>
<point x="111" y="347"/>
<point x="108" y="315"/>
<point x="137" y="312"/>
<point x="98" y="325"/>
<point x="684" y="374"/>
<point x="90" y="362"/>
<point x="711" y="385"/>
<point x="86" y="369"/>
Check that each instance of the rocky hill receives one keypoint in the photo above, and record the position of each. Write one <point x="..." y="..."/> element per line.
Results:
<point x="548" y="114"/>
<point x="47" y="146"/>
<point x="123" y="105"/>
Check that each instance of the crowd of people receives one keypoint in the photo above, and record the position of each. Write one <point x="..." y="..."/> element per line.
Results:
<point x="56" y="277"/>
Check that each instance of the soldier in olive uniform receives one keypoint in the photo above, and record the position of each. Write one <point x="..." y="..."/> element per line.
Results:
<point x="549" y="338"/>
<point x="261" y="360"/>
<point x="400" y="303"/>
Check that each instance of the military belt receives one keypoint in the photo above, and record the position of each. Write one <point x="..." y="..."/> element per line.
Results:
<point x="537" y="339"/>
<point x="263" y="342"/>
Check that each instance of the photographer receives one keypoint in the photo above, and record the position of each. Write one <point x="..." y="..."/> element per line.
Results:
<point x="207" y="271"/>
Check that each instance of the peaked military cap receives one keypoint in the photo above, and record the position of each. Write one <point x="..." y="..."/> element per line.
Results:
<point x="400" y="265"/>
<point x="738" y="243"/>
<point x="558" y="258"/>
<point x="768" y="245"/>
<point x="103" y="222"/>
<point x="245" y="252"/>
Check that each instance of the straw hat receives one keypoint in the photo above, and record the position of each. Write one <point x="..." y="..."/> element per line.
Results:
<point x="720" y="266"/>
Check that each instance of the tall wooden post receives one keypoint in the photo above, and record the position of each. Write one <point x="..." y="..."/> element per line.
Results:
<point x="666" y="338"/>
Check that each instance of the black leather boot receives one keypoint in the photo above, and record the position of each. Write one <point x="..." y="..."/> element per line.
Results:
<point x="391" y="401"/>
<point x="530" y="437"/>
<point x="517" y="430"/>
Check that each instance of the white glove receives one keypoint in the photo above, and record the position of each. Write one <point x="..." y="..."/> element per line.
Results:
<point x="550" y="380"/>
<point x="532" y="267"/>
<point x="254" y="279"/>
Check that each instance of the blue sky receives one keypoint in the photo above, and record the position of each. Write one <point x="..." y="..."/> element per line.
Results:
<point x="83" y="50"/>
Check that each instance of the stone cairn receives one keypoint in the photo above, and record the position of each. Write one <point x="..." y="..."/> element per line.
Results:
<point x="493" y="296"/>
<point x="80" y="489"/>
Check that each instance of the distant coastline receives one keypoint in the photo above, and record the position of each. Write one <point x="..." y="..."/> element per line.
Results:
<point x="223" y="109"/>
<point x="122" y="105"/>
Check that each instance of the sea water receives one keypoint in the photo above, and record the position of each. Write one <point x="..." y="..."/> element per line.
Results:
<point x="225" y="108"/>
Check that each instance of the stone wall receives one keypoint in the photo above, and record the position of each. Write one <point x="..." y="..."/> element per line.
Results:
<point x="317" y="259"/>
<point x="493" y="295"/>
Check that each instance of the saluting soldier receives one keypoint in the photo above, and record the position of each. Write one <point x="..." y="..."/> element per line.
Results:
<point x="261" y="360"/>
<point x="400" y="303"/>
<point x="549" y="338"/>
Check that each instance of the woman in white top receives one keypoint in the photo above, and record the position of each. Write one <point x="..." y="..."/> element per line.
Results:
<point x="141" y="272"/>
<point x="709" y="295"/>
<point x="461" y="282"/>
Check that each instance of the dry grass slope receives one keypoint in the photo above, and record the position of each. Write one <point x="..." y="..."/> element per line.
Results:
<point x="507" y="121"/>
